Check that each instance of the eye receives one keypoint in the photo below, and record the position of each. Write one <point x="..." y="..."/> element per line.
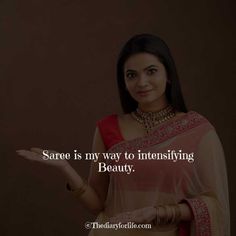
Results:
<point x="151" y="71"/>
<point x="130" y="75"/>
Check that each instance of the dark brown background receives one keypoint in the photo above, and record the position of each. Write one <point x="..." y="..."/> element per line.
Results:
<point x="57" y="78"/>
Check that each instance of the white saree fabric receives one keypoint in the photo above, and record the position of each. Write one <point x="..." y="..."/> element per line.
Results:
<point x="201" y="183"/>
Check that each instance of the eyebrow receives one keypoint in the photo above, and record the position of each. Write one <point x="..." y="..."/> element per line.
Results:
<point x="146" y="68"/>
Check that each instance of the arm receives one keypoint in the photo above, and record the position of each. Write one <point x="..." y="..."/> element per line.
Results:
<point x="150" y="214"/>
<point x="89" y="198"/>
<point x="94" y="196"/>
<point x="211" y="206"/>
<point x="186" y="212"/>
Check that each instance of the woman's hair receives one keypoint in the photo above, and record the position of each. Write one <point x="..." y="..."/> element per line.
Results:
<point x="154" y="45"/>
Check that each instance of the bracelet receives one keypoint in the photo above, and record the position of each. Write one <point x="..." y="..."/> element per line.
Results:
<point x="172" y="214"/>
<point x="167" y="214"/>
<point x="178" y="213"/>
<point x="156" y="220"/>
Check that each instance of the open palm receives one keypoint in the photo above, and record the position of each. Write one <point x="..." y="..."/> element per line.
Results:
<point x="36" y="154"/>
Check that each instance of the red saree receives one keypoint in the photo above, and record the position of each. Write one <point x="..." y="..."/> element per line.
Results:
<point x="201" y="181"/>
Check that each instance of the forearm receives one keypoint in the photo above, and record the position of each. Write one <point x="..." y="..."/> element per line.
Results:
<point x="89" y="198"/>
<point x="163" y="214"/>
<point x="177" y="213"/>
<point x="186" y="213"/>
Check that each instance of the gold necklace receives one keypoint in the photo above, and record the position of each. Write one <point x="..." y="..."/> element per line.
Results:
<point x="151" y="119"/>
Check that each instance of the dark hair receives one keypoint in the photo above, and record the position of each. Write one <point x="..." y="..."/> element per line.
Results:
<point x="154" y="45"/>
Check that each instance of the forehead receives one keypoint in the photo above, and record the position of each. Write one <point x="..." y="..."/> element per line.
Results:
<point x="140" y="61"/>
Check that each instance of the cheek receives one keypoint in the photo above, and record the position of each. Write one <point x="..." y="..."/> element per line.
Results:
<point x="160" y="83"/>
<point x="130" y="86"/>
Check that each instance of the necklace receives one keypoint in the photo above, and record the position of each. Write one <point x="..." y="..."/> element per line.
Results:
<point x="151" y="119"/>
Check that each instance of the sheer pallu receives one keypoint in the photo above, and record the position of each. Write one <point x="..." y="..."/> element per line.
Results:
<point x="200" y="181"/>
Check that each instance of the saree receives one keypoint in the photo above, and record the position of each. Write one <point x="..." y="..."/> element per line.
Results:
<point x="184" y="162"/>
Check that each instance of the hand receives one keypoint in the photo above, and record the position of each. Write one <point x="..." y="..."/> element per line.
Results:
<point x="143" y="215"/>
<point x="36" y="154"/>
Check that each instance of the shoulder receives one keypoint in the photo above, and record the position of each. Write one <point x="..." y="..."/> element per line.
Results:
<point x="196" y="118"/>
<point x="196" y="115"/>
<point x="124" y="117"/>
<point x="108" y="127"/>
<point x="113" y="123"/>
<point x="106" y="119"/>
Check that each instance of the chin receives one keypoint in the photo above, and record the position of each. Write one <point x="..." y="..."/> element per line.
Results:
<point x="145" y="101"/>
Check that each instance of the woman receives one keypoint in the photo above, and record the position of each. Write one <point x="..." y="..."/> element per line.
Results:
<point x="178" y="179"/>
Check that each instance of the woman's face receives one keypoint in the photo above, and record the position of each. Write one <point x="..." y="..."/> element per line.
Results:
<point x="145" y="78"/>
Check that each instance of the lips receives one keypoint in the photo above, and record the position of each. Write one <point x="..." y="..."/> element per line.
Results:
<point x="142" y="93"/>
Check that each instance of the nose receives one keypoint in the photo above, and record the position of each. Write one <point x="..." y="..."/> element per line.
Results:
<point x="142" y="81"/>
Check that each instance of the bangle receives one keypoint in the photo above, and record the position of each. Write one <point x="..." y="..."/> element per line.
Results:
<point x="169" y="214"/>
<point x="157" y="218"/>
<point x="165" y="219"/>
<point x="177" y="213"/>
<point x="172" y="214"/>
<point x="161" y="220"/>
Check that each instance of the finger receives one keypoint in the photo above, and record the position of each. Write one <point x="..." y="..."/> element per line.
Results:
<point x="120" y="220"/>
<point x="116" y="219"/>
<point x="37" y="150"/>
<point x="126" y="217"/>
<point x="113" y="220"/>
<point x="139" y="219"/>
<point x="29" y="155"/>
<point x="52" y="151"/>
<point x="18" y="151"/>
<point x="22" y="152"/>
<point x="40" y="150"/>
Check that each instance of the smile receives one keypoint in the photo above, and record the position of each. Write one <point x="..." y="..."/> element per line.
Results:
<point x="143" y="93"/>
